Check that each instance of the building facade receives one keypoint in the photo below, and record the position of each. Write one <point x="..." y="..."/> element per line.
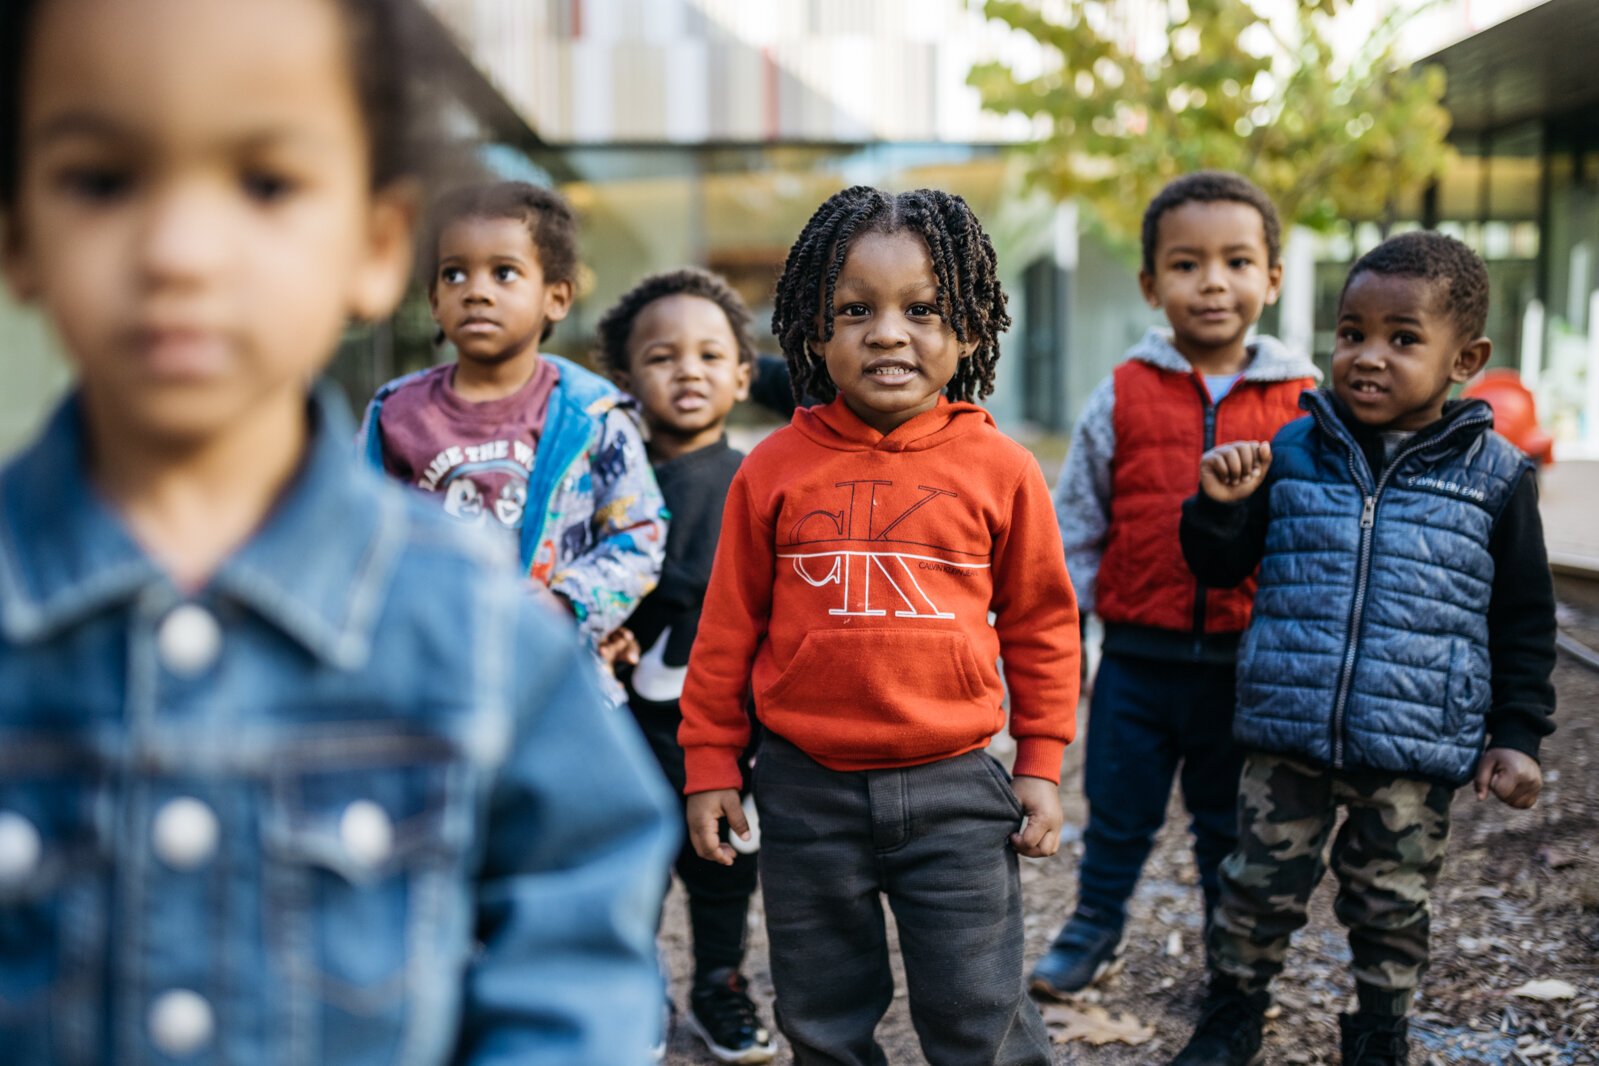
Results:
<point x="706" y="131"/>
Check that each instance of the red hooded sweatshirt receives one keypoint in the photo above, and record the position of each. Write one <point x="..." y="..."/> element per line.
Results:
<point x="851" y="595"/>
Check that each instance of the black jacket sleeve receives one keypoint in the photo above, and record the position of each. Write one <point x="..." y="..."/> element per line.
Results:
<point x="771" y="386"/>
<point x="1223" y="542"/>
<point x="1521" y="626"/>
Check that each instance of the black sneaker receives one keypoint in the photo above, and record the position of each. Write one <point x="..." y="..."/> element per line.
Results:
<point x="1374" y="1039"/>
<point x="1229" y="1029"/>
<point x="1081" y="954"/>
<point x="722" y="1014"/>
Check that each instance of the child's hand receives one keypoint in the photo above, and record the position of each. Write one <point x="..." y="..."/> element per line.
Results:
<point x="620" y="646"/>
<point x="1513" y="776"/>
<point x="1040" y="799"/>
<point x="553" y="602"/>
<point x="1230" y="472"/>
<point x="705" y="811"/>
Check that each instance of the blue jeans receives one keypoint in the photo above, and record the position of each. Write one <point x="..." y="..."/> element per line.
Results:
<point x="1148" y="721"/>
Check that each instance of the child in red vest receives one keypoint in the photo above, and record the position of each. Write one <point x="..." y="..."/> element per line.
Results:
<point x="863" y="550"/>
<point x="1163" y="697"/>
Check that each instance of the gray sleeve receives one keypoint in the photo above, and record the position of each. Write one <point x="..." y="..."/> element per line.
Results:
<point x="1082" y="494"/>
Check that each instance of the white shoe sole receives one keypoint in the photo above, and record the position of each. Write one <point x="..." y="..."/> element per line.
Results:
<point x="753" y="844"/>
<point x="722" y="1054"/>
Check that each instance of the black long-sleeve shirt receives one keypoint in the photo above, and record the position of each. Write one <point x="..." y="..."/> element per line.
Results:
<point x="695" y="487"/>
<point x="1223" y="544"/>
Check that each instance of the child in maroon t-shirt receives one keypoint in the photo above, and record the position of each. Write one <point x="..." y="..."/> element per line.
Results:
<point x="516" y="440"/>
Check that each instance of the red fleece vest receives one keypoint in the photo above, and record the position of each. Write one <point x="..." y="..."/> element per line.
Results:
<point x="1160" y="434"/>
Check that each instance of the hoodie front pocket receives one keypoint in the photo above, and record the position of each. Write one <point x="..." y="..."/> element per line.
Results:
<point x="848" y="692"/>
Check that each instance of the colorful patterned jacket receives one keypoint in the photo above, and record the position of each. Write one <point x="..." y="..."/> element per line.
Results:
<point x="599" y="537"/>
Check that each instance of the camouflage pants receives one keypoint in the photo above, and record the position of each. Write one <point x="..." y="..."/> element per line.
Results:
<point x="1386" y="857"/>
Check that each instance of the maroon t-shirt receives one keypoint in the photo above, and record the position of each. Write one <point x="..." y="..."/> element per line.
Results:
<point x="477" y="456"/>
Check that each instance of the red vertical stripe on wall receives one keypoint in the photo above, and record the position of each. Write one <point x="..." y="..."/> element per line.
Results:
<point x="577" y="18"/>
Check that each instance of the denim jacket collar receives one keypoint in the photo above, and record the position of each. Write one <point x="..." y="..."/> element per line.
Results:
<point x="317" y="568"/>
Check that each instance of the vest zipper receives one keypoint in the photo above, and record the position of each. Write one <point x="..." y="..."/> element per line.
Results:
<point x="1368" y="522"/>
<point x="1209" y="443"/>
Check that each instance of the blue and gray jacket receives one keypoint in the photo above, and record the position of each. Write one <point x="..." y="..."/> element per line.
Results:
<point x="1369" y="647"/>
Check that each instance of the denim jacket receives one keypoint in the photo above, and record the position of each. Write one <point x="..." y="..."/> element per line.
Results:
<point x="327" y="809"/>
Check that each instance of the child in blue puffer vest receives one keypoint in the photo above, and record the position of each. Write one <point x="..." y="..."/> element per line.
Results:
<point x="1404" y="623"/>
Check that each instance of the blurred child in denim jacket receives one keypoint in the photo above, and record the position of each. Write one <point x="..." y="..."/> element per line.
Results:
<point x="279" y="780"/>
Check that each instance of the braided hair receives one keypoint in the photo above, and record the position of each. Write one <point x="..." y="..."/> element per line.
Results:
<point x="964" y="265"/>
<point x="616" y="325"/>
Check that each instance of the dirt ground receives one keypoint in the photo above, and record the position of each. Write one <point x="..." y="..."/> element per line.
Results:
<point x="1518" y="902"/>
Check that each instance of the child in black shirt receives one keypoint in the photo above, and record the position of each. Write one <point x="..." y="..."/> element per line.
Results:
<point x="680" y="343"/>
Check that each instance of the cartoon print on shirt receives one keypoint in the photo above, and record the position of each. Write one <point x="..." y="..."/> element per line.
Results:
<point x="850" y="545"/>
<point x="463" y="500"/>
<point x="511" y="503"/>
<point x="479" y="480"/>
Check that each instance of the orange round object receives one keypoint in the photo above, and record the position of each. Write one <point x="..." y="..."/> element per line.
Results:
<point x="1515" y="413"/>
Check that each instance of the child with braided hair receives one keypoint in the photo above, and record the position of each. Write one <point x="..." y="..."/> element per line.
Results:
<point x="863" y="549"/>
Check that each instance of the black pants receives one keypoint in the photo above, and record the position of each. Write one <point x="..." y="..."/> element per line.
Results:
<point x="718" y="896"/>
<point x="934" y="839"/>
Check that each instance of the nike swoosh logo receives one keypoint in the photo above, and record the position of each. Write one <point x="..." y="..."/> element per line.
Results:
<point x="653" y="679"/>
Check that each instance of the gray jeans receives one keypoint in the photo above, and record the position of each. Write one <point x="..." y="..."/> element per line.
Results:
<point x="934" y="840"/>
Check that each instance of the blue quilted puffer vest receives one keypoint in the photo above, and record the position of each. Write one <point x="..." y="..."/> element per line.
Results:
<point x="1368" y="647"/>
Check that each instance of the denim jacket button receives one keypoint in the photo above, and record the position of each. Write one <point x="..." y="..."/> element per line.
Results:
<point x="366" y="832"/>
<point x="185" y="833"/>
<point x="181" y="1022"/>
<point x="20" y="848"/>
<point x="189" y="640"/>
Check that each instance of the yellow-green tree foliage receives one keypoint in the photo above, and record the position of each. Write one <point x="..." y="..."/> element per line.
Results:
<point x="1231" y="90"/>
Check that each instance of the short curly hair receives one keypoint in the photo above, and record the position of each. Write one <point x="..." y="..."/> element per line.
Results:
<point x="551" y="224"/>
<point x="967" y="271"/>
<point x="1451" y="265"/>
<point x="616" y="325"/>
<point x="1209" y="187"/>
<point x="387" y="47"/>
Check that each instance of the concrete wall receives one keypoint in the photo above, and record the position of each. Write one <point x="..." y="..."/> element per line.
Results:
<point x="1107" y="315"/>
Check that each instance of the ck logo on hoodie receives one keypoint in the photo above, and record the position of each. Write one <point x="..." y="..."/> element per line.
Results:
<point x="854" y="545"/>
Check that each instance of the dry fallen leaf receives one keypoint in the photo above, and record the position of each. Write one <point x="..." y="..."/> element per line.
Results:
<point x="1095" y="1025"/>
<point x="1554" y="858"/>
<point x="1546" y="989"/>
